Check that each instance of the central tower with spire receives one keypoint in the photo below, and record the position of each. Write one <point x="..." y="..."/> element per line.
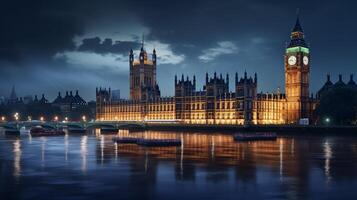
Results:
<point x="297" y="71"/>
<point x="143" y="85"/>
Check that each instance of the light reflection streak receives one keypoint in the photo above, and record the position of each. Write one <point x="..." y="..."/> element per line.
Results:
<point x="43" y="148"/>
<point x="102" y="149"/>
<point x="212" y="149"/>
<point x="293" y="147"/>
<point x="328" y="155"/>
<point x="30" y="138"/>
<point x="181" y="155"/>
<point x="281" y="145"/>
<point x="116" y="151"/>
<point x="84" y="151"/>
<point x="17" y="158"/>
<point x="66" y="144"/>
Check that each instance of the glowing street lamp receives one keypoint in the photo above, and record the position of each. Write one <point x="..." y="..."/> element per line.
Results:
<point x="327" y="120"/>
<point x="29" y="118"/>
<point x="84" y="118"/>
<point x="16" y="116"/>
<point x="42" y="118"/>
<point x="3" y="118"/>
<point x="55" y="118"/>
<point x="66" y="119"/>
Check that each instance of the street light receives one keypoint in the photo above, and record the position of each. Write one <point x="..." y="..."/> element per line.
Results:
<point x="327" y="120"/>
<point x="16" y="116"/>
<point x="66" y="119"/>
<point x="84" y="118"/>
<point x="55" y="118"/>
<point x="42" y="118"/>
<point x="3" y="118"/>
<point x="29" y="118"/>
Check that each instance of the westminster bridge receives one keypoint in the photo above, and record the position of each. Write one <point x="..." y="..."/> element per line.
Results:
<point x="79" y="124"/>
<point x="279" y="129"/>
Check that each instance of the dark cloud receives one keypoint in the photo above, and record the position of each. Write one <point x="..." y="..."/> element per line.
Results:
<point x="33" y="32"/>
<point x="37" y="28"/>
<point x="107" y="46"/>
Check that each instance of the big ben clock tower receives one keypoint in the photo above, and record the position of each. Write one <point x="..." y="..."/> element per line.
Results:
<point x="297" y="70"/>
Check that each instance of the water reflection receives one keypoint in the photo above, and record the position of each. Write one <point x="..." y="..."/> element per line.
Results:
<point x="66" y="144"/>
<point x="328" y="156"/>
<point x="43" y="149"/>
<point x="84" y="151"/>
<point x="17" y="158"/>
<point x="281" y="144"/>
<point x="290" y="167"/>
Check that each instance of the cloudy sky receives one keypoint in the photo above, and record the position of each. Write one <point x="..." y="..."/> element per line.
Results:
<point x="49" y="46"/>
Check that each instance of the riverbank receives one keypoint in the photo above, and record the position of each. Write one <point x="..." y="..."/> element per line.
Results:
<point x="279" y="129"/>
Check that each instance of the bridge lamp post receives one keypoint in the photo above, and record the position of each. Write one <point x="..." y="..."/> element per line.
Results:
<point x="16" y="116"/>
<point x="42" y="118"/>
<point x="56" y="120"/>
<point x="29" y="118"/>
<point x="84" y="118"/>
<point x="3" y="118"/>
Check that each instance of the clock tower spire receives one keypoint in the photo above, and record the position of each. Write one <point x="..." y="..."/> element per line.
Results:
<point x="297" y="71"/>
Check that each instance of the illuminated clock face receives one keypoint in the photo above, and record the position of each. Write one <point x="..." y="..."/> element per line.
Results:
<point x="292" y="60"/>
<point x="306" y="60"/>
<point x="141" y="57"/>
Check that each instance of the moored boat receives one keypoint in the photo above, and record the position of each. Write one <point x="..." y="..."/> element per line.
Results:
<point x="159" y="142"/>
<point x="108" y="130"/>
<point x="125" y="140"/>
<point x="254" y="136"/>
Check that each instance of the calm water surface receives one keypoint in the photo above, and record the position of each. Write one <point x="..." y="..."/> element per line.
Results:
<point x="206" y="166"/>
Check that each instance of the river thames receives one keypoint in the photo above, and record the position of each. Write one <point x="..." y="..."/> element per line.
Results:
<point x="205" y="166"/>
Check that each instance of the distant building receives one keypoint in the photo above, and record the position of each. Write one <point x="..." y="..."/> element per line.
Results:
<point x="69" y="102"/>
<point x="143" y="85"/>
<point x="115" y="95"/>
<point x="28" y="99"/>
<point x="2" y="100"/>
<point x="13" y="97"/>
<point x="72" y="106"/>
<point x="215" y="104"/>
<point x="329" y="85"/>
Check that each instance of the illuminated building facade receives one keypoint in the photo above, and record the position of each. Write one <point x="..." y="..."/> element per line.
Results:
<point x="215" y="103"/>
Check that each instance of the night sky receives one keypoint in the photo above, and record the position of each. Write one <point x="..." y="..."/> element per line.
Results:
<point x="50" y="46"/>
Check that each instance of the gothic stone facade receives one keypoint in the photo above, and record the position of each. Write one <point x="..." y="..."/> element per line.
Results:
<point x="215" y="103"/>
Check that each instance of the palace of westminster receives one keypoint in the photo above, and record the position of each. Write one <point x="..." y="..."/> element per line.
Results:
<point x="215" y="104"/>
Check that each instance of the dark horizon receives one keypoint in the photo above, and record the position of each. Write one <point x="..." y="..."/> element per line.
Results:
<point x="60" y="46"/>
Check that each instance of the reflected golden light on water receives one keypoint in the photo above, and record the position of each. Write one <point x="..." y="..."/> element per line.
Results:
<point x="281" y="146"/>
<point x="102" y="149"/>
<point x="203" y="147"/>
<point x="116" y="151"/>
<point x="17" y="158"/>
<point x="212" y="147"/>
